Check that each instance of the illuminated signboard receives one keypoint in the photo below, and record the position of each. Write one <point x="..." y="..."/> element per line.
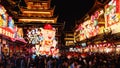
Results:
<point x="5" y="19"/>
<point x="112" y="15"/>
<point x="7" y="27"/>
<point x="7" y="32"/>
<point x="43" y="39"/>
<point x="3" y="16"/>
<point x="117" y="6"/>
<point x="90" y="27"/>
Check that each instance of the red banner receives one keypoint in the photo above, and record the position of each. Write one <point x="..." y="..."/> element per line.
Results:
<point x="7" y="32"/>
<point x="117" y="6"/>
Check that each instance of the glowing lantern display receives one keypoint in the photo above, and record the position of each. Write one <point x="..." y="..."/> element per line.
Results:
<point x="45" y="38"/>
<point x="3" y="16"/>
<point x="49" y="43"/>
<point x="112" y="15"/>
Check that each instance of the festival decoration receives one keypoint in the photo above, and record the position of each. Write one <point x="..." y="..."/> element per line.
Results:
<point x="3" y="16"/>
<point x="48" y="45"/>
<point x="44" y="40"/>
<point x="112" y="16"/>
<point x="10" y="23"/>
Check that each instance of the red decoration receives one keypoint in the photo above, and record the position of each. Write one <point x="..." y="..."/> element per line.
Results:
<point x="48" y="27"/>
<point x="117" y="6"/>
<point x="8" y="29"/>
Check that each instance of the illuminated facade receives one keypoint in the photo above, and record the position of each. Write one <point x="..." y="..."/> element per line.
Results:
<point x="11" y="36"/>
<point x="33" y="17"/>
<point x="100" y="31"/>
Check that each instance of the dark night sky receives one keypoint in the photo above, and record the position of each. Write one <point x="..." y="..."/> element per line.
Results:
<point x="69" y="11"/>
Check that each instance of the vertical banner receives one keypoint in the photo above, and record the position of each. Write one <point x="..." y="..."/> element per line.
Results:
<point x="117" y="6"/>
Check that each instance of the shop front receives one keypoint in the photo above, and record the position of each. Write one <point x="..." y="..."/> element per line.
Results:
<point x="9" y="44"/>
<point x="9" y="33"/>
<point x="101" y="31"/>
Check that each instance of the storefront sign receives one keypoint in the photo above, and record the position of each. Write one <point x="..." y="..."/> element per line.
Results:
<point x="117" y="6"/>
<point x="7" y="32"/>
<point x="112" y="16"/>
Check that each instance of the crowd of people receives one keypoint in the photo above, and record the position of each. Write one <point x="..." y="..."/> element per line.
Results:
<point x="91" y="60"/>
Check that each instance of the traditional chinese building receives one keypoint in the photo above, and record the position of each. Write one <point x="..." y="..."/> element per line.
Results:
<point x="37" y="11"/>
<point x="99" y="31"/>
<point x="34" y="14"/>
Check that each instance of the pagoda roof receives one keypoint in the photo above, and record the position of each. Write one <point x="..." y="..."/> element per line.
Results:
<point x="38" y="19"/>
<point x="39" y="13"/>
